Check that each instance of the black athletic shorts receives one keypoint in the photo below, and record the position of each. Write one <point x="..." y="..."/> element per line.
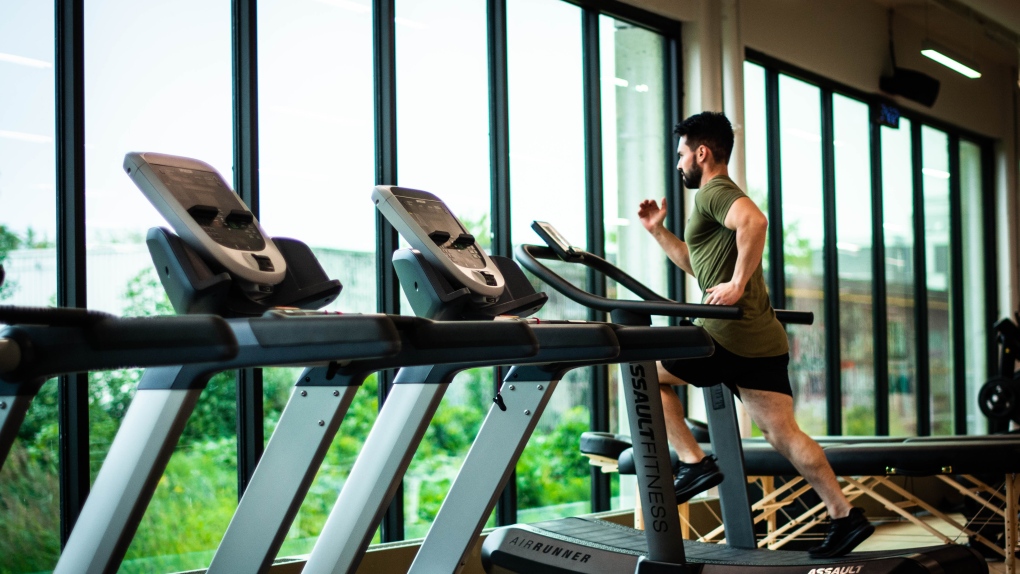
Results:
<point x="760" y="373"/>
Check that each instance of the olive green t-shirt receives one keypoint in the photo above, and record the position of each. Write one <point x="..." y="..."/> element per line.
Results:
<point x="713" y="250"/>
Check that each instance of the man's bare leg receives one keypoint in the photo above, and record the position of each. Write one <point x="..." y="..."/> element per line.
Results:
<point x="773" y="413"/>
<point x="677" y="432"/>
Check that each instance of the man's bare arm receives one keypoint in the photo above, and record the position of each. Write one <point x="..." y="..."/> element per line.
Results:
<point x="750" y="223"/>
<point x="652" y="218"/>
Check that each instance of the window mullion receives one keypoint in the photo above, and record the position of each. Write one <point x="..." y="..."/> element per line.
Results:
<point x="834" y="387"/>
<point x="923" y="389"/>
<point x="73" y="396"/>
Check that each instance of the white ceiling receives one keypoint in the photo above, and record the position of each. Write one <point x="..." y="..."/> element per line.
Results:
<point x="1004" y="12"/>
<point x="1000" y="20"/>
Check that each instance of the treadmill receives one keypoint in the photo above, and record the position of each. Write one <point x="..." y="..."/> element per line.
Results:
<point x="445" y="340"/>
<point x="587" y="545"/>
<point x="447" y="274"/>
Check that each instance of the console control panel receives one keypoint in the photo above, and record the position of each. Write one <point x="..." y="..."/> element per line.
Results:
<point x="208" y="215"/>
<point x="426" y="223"/>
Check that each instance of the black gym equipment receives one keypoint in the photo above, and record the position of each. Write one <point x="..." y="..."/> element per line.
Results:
<point x="582" y="545"/>
<point x="999" y="398"/>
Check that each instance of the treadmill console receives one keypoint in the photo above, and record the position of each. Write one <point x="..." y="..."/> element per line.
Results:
<point x="428" y="225"/>
<point x="556" y="241"/>
<point x="209" y="216"/>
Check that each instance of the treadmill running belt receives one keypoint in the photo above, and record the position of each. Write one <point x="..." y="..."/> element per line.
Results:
<point x="609" y="537"/>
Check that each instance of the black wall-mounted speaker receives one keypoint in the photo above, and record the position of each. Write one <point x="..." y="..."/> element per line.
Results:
<point x="912" y="85"/>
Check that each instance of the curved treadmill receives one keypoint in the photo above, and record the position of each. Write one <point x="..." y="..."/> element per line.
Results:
<point x="580" y="545"/>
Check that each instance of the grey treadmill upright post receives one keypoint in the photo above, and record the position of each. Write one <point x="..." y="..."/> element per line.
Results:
<point x="724" y="434"/>
<point x="15" y="400"/>
<point x="651" y="457"/>
<point x="294" y="454"/>
<point x="127" y="478"/>
<point x="486" y="469"/>
<point x="402" y="421"/>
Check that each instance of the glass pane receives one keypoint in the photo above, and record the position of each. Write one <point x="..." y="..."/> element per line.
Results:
<point x="547" y="178"/>
<point x="443" y="141"/>
<point x="851" y="125"/>
<point x="158" y="80"/>
<point x="316" y="172"/>
<point x="975" y="304"/>
<point x="29" y="488"/>
<point x="757" y="176"/>
<point x="637" y="152"/>
<point x="442" y="105"/>
<point x="316" y="130"/>
<point x="756" y="144"/>
<point x="635" y="146"/>
<point x="897" y="208"/>
<point x="935" y="170"/>
<point x="800" y="140"/>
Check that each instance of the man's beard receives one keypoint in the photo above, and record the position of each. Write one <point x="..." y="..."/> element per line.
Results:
<point x="692" y="180"/>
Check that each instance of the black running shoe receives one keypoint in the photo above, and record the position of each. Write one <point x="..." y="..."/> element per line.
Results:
<point x="694" y="478"/>
<point x="844" y="535"/>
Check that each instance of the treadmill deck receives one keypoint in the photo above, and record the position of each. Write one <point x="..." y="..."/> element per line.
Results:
<point x="601" y="536"/>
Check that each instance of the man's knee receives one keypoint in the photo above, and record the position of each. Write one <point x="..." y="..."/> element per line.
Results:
<point x="778" y="428"/>
<point x="781" y="434"/>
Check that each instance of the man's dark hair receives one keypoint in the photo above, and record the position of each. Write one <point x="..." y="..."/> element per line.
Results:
<point x="710" y="129"/>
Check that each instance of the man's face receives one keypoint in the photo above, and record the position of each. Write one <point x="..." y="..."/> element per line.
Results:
<point x="688" y="165"/>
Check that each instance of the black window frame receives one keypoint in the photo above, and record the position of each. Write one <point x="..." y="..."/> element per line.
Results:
<point x="773" y="68"/>
<point x="70" y="201"/>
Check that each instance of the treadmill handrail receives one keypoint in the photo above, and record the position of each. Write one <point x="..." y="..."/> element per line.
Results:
<point x="78" y="341"/>
<point x="653" y="304"/>
<point x="528" y="255"/>
<point x="51" y="316"/>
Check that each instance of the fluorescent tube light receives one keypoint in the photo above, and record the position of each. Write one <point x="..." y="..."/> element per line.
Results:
<point x="950" y="59"/>
<point x="30" y="62"/>
<point x="936" y="173"/>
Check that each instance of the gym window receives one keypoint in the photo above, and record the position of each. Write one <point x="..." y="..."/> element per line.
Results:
<point x="881" y="232"/>
<point x="512" y="110"/>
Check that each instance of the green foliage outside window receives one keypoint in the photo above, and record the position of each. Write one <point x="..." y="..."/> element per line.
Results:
<point x="9" y="241"/>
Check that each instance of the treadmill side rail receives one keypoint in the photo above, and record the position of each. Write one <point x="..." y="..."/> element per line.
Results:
<point x="485" y="471"/>
<point x="373" y="480"/>
<point x="128" y="478"/>
<point x="293" y="456"/>
<point x="654" y="471"/>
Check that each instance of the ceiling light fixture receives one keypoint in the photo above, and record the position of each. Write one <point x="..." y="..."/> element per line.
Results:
<point x="950" y="59"/>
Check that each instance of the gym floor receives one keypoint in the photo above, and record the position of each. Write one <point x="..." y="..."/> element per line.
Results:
<point x="905" y="535"/>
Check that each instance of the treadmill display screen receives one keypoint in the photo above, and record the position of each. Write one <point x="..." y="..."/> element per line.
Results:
<point x="433" y="216"/>
<point x="205" y="189"/>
